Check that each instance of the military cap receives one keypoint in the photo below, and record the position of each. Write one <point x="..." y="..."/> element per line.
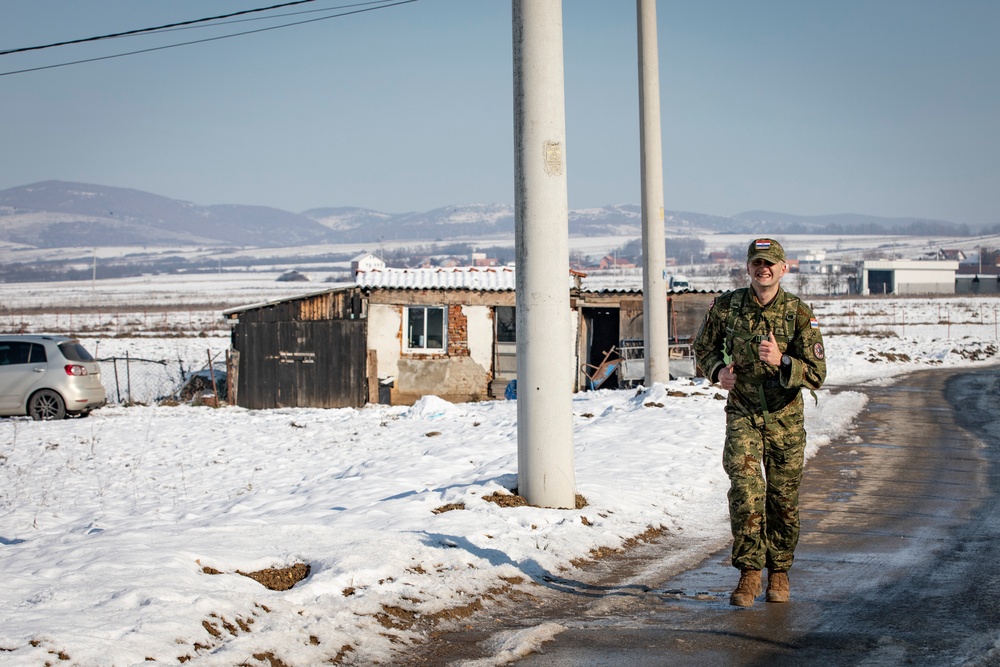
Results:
<point x="767" y="249"/>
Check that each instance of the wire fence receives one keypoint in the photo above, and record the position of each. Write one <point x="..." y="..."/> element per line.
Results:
<point x="981" y="320"/>
<point x="134" y="381"/>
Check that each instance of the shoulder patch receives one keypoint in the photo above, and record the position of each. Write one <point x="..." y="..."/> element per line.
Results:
<point x="818" y="351"/>
<point x="814" y="323"/>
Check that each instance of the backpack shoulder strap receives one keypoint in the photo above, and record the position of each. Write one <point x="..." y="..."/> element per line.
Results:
<point x="735" y="306"/>
<point x="788" y="315"/>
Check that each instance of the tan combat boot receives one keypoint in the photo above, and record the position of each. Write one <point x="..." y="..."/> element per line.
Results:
<point x="778" y="589"/>
<point x="747" y="590"/>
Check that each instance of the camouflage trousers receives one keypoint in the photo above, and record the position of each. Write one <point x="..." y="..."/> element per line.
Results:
<point x="764" y="464"/>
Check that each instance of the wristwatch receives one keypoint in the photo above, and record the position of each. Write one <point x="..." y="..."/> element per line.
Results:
<point x="786" y="360"/>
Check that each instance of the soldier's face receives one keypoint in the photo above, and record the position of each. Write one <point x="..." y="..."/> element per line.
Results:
<point x="765" y="274"/>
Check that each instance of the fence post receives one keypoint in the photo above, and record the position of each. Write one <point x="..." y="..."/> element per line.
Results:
<point x="128" y="377"/>
<point x="118" y="386"/>
<point x="211" y="374"/>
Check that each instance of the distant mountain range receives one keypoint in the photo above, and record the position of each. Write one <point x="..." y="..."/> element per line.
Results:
<point x="56" y="214"/>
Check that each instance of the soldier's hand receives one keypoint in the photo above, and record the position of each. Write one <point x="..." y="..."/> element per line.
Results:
<point x="770" y="353"/>
<point x="727" y="377"/>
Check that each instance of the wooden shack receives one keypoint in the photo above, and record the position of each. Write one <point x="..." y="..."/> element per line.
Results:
<point x="307" y="351"/>
<point x="398" y="335"/>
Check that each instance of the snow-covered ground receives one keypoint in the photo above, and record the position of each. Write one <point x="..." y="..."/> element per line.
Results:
<point x="123" y="536"/>
<point x="148" y="295"/>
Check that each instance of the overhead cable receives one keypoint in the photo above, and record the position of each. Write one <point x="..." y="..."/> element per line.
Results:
<point x="209" y="39"/>
<point x="268" y="18"/>
<point x="140" y="31"/>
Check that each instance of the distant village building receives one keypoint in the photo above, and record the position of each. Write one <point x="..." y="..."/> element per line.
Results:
<point x="812" y="263"/>
<point x="951" y="254"/>
<point x="613" y="262"/>
<point x="815" y="266"/>
<point x="719" y="257"/>
<point x="366" y="261"/>
<point x="479" y="259"/>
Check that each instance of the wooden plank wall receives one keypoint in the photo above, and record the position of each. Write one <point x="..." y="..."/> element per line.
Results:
<point x="321" y="364"/>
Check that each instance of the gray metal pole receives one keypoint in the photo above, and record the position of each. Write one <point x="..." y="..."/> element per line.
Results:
<point x="541" y="237"/>
<point x="655" y="324"/>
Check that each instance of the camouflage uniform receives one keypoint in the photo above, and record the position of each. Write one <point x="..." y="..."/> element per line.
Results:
<point x="764" y="418"/>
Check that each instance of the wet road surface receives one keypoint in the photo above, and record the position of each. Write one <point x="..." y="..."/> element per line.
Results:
<point x="898" y="563"/>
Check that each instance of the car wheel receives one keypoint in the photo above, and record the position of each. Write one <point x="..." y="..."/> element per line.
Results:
<point x="46" y="405"/>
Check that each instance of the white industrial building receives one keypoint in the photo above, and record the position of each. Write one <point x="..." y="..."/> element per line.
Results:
<point x="903" y="277"/>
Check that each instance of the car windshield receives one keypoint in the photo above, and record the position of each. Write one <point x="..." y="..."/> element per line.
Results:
<point x="73" y="351"/>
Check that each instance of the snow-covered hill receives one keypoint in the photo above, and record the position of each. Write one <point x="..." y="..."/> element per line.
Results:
<point x="54" y="214"/>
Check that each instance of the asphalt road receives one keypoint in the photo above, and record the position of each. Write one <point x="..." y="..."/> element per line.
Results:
<point x="898" y="563"/>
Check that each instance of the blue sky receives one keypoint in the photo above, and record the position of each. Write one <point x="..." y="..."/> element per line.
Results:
<point x="881" y="107"/>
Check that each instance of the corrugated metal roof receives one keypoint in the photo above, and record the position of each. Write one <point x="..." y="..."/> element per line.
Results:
<point x="631" y="284"/>
<point x="490" y="279"/>
<point x="612" y="284"/>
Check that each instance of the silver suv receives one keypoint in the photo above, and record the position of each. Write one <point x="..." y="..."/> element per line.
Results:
<point x="48" y="377"/>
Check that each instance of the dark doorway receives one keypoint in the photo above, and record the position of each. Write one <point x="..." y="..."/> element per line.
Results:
<point x="603" y="332"/>
<point x="880" y="282"/>
<point x="504" y="350"/>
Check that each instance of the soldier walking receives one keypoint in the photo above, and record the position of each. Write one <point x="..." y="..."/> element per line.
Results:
<point x="763" y="345"/>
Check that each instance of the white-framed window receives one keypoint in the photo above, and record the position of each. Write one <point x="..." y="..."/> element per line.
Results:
<point x="426" y="328"/>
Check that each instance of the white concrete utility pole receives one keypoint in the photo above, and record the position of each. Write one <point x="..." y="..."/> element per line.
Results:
<point x="655" y="321"/>
<point x="545" y="366"/>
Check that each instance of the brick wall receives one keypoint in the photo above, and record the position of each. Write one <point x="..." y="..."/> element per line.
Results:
<point x="458" y="332"/>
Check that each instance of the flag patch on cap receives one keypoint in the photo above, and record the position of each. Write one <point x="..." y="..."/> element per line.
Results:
<point x="762" y="244"/>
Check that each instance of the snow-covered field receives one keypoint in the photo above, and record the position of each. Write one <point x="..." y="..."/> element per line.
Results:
<point x="123" y="536"/>
<point x="182" y="293"/>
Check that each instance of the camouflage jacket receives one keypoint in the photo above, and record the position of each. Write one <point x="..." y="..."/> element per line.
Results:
<point x="734" y="327"/>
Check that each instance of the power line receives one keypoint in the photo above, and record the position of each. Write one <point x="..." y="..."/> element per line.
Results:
<point x="269" y="18"/>
<point x="140" y="31"/>
<point x="200" y="41"/>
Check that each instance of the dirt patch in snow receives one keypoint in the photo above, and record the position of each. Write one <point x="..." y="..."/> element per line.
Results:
<point x="275" y="579"/>
<point x="511" y="499"/>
